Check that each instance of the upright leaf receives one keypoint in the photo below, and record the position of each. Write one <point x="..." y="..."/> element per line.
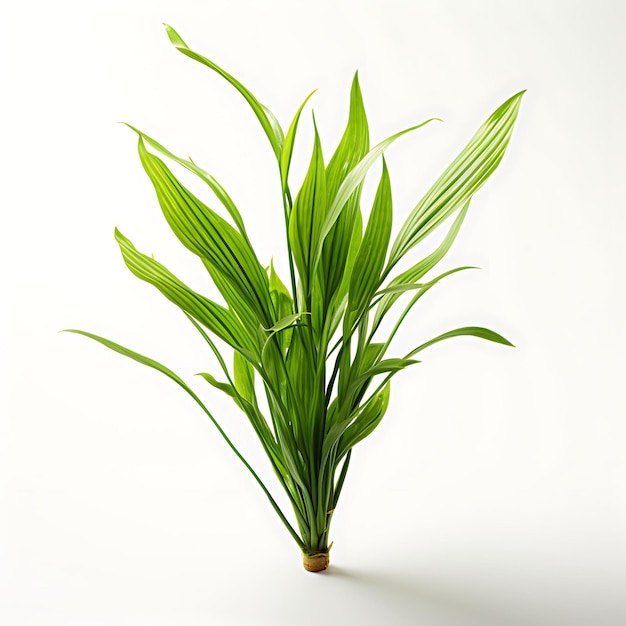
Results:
<point x="353" y="146"/>
<point x="373" y="251"/>
<point x="307" y="216"/>
<point x="365" y="423"/>
<point x="217" y="189"/>
<point x="244" y="378"/>
<point x="465" y="175"/>
<point x="211" y="237"/>
<point x="354" y="178"/>
<point x="285" y="157"/>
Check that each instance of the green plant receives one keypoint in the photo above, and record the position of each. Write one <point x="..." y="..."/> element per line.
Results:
<point x="314" y="348"/>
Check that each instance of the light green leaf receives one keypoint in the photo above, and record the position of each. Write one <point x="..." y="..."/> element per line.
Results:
<point x="215" y="317"/>
<point x="211" y="237"/>
<point x="365" y="423"/>
<point x="417" y="271"/>
<point x="353" y="180"/>
<point x="217" y="189"/>
<point x="265" y="117"/>
<point x="225" y="387"/>
<point x="285" y="157"/>
<point x="244" y="378"/>
<point x="466" y="174"/>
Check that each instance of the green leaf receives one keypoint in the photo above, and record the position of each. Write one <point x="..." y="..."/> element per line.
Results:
<point x="474" y="331"/>
<point x="353" y="146"/>
<point x="264" y="115"/>
<point x="366" y="421"/>
<point x="211" y="237"/>
<point x="307" y="215"/>
<point x="466" y="174"/>
<point x="144" y="360"/>
<point x="386" y="366"/>
<point x="244" y="378"/>
<point x="217" y="189"/>
<point x="285" y="157"/>
<point x="401" y="288"/>
<point x="285" y="322"/>
<point x="417" y="271"/>
<point x="225" y="387"/>
<point x="164" y="370"/>
<point x="371" y="257"/>
<point x="215" y="317"/>
<point x="353" y="180"/>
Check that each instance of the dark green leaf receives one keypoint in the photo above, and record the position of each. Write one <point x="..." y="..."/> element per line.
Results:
<point x="474" y="331"/>
<point x="371" y="257"/>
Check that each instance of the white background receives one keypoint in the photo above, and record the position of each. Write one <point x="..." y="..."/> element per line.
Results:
<point x="493" y="492"/>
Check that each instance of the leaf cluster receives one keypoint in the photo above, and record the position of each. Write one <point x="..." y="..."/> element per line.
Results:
<point x="313" y="345"/>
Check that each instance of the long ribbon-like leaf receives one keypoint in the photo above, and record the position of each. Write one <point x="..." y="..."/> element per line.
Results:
<point x="265" y="116"/>
<point x="215" y="317"/>
<point x="474" y="331"/>
<point x="465" y="175"/>
<point x="170" y="374"/>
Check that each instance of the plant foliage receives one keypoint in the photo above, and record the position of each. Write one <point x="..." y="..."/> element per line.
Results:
<point x="314" y="346"/>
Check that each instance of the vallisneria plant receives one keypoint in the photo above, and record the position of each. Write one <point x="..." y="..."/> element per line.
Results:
<point x="314" y="346"/>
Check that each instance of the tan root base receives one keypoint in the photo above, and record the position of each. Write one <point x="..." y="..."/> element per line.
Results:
<point x="315" y="562"/>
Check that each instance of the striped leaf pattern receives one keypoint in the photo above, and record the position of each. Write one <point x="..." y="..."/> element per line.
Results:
<point x="309" y="360"/>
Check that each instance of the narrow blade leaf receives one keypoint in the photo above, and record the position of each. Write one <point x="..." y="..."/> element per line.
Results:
<point x="465" y="175"/>
<point x="264" y="115"/>
<point x="474" y="331"/>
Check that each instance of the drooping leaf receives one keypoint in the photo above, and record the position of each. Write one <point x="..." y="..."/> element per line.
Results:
<point x="227" y="388"/>
<point x="215" y="317"/>
<point x="265" y="116"/>
<point x="170" y="374"/>
<point x="473" y="331"/>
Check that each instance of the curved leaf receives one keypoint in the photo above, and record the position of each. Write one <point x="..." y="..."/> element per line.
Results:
<point x="217" y="189"/>
<point x="215" y="317"/>
<point x="266" y="118"/>
<point x="474" y="331"/>
<point x="211" y="237"/>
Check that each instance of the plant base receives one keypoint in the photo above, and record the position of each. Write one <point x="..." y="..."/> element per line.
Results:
<point x="315" y="562"/>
